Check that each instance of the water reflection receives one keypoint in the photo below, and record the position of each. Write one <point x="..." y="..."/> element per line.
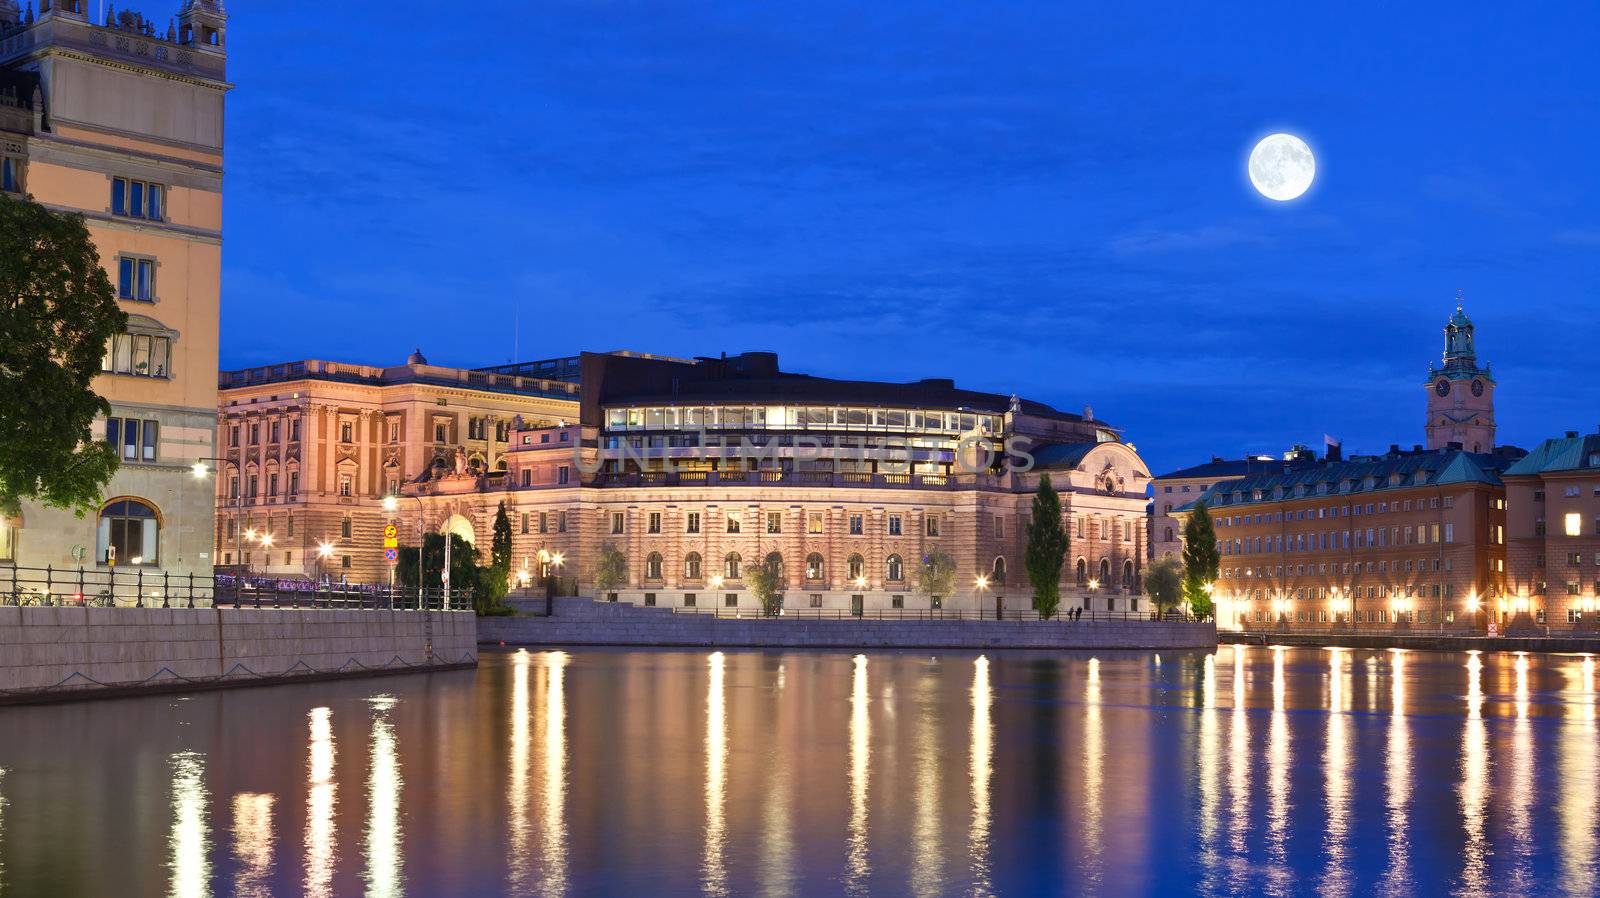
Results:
<point x="1238" y="771"/>
<point x="1207" y="770"/>
<point x="190" y="838"/>
<point x="384" y="873"/>
<point x="1397" y="876"/>
<point x="927" y="863"/>
<point x="554" y="837"/>
<point x="1093" y="777"/>
<point x="982" y="770"/>
<point x="1522" y="787"/>
<point x="1278" y="771"/>
<point x="1475" y="783"/>
<point x="856" y="863"/>
<point x="1336" y="779"/>
<point x="518" y="827"/>
<point x="1579" y="782"/>
<point x="252" y="844"/>
<point x="321" y="797"/>
<point x="714" y="875"/>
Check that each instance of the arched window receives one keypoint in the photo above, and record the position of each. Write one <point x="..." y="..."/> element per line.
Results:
<point x="895" y="570"/>
<point x="1105" y="572"/>
<point x="1127" y="574"/>
<point x="730" y="566"/>
<point x="998" y="574"/>
<point x="691" y="566"/>
<point x="774" y="563"/>
<point x="857" y="566"/>
<point x="652" y="566"/>
<point x="129" y="532"/>
<point x="813" y="566"/>
<point x="1083" y="572"/>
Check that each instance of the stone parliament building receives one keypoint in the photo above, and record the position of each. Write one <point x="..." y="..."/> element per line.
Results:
<point x="695" y="470"/>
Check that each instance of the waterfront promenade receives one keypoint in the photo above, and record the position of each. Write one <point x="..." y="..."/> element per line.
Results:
<point x="581" y="621"/>
<point x="1444" y="642"/>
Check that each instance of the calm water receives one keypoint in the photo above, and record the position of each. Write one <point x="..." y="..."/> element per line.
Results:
<point x="811" y="773"/>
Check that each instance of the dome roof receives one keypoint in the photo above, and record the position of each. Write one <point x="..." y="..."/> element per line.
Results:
<point x="417" y="358"/>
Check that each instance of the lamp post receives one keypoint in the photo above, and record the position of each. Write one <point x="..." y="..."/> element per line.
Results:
<point x="201" y="471"/>
<point x="981" y="585"/>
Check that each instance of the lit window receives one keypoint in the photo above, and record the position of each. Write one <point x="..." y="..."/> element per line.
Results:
<point x="139" y="355"/>
<point x="128" y="533"/>
<point x="1573" y="523"/>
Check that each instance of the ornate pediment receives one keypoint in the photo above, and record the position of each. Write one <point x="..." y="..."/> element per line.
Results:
<point x="1109" y="481"/>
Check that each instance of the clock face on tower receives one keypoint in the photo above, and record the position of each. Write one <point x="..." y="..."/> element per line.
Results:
<point x="1442" y="387"/>
<point x="1477" y="388"/>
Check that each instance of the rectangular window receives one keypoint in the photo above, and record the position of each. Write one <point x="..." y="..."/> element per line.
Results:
<point x="855" y="525"/>
<point x="616" y="522"/>
<point x="692" y="524"/>
<point x="11" y="174"/>
<point x="561" y="522"/>
<point x="1572" y="523"/>
<point x="527" y="477"/>
<point x="932" y="522"/>
<point x="894" y="525"/>
<point x="275" y="431"/>
<point x="562" y="475"/>
<point x="394" y="431"/>
<point x="347" y="432"/>
<point x="272" y="484"/>
<point x="813" y="522"/>
<point x="689" y="599"/>
<point x="136" y="279"/>
<point x="139" y="355"/>
<point x="137" y="199"/>
<point x="734" y="523"/>
<point x="774" y="522"/>
<point x="654" y="522"/>
<point x="999" y="527"/>
<point x="345" y="485"/>
<point x="730" y="600"/>
<point x="441" y="433"/>
<point x="294" y="484"/>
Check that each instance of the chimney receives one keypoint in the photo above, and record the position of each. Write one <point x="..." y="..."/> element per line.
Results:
<point x="1335" y="452"/>
<point x="1394" y="448"/>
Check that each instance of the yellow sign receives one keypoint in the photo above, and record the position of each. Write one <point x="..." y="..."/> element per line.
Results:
<point x="390" y="542"/>
<point x="389" y="532"/>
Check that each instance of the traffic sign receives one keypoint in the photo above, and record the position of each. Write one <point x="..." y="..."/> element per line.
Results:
<point x="391" y="555"/>
<point x="390" y="532"/>
<point x="389" y="543"/>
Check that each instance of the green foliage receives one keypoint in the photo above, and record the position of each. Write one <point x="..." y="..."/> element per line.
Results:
<point x="1047" y="547"/>
<point x="766" y="582"/>
<point x="610" y="568"/>
<point x="1201" y="560"/>
<point x="494" y="581"/>
<point x="1163" y="583"/>
<point x="57" y="312"/>
<point x="937" y="574"/>
<point x="463" y="563"/>
<point x="500" y="545"/>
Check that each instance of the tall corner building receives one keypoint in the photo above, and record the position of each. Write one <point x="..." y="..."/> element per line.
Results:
<point x="120" y="119"/>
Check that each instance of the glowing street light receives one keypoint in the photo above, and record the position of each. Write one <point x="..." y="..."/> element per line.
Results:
<point x="861" y="583"/>
<point x="266" y="540"/>
<point x="324" y="549"/>
<point x="1094" y="585"/>
<point x="716" y="581"/>
<point x="391" y="504"/>
<point x="199" y="470"/>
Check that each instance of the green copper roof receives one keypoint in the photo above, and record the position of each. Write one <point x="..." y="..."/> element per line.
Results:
<point x="1360" y="475"/>
<point x="1560" y="454"/>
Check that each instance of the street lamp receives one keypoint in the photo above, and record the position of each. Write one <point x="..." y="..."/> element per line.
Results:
<point x="391" y="504"/>
<point x="981" y="584"/>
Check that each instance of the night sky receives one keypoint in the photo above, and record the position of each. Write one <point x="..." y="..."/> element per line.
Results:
<point x="1045" y="199"/>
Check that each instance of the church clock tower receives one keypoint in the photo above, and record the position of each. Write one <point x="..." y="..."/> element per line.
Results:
<point x="1460" y="394"/>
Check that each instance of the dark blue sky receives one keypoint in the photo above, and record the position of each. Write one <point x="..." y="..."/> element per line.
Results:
<point x="1037" y="198"/>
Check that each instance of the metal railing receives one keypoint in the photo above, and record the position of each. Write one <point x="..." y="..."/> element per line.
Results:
<point x="139" y="587"/>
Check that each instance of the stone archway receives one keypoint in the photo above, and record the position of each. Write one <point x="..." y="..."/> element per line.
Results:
<point x="460" y="526"/>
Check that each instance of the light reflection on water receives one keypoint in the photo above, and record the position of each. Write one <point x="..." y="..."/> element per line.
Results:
<point x="1248" y="771"/>
<point x="322" y="797"/>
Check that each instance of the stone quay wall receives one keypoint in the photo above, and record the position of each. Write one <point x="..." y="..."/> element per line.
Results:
<point x="56" y="653"/>
<point x="585" y="622"/>
<point x="1442" y="642"/>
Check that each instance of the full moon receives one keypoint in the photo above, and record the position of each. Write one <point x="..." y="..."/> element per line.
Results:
<point x="1281" y="167"/>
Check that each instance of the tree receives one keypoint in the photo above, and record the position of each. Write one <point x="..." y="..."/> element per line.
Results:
<point x="57" y="313"/>
<point x="1200" y="560"/>
<point x="463" y="564"/>
<point x="766" y="582"/>
<point x="1047" y="548"/>
<point x="500" y="543"/>
<point x="494" y="581"/>
<point x="937" y="575"/>
<point x="610" y="568"/>
<point x="1163" y="583"/>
